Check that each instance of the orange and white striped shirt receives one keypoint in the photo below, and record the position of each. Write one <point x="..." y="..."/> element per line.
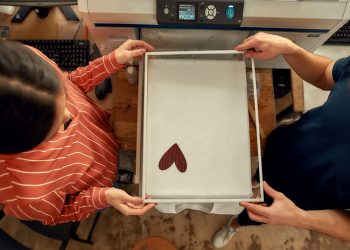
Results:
<point x="65" y="179"/>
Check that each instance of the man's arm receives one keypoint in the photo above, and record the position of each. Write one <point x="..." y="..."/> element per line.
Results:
<point x="335" y="223"/>
<point x="283" y="211"/>
<point x="312" y="68"/>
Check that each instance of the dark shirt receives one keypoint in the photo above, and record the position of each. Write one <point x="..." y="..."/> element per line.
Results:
<point x="309" y="160"/>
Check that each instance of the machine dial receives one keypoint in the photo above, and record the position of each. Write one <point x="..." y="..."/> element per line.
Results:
<point x="210" y="12"/>
<point x="230" y="12"/>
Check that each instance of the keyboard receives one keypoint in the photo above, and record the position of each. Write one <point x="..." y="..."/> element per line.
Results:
<point x="68" y="54"/>
<point x="341" y="36"/>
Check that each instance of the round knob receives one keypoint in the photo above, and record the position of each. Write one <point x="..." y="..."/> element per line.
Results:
<point x="131" y="74"/>
<point x="166" y="11"/>
<point x="230" y="12"/>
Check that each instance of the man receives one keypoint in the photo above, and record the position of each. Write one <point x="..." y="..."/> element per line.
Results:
<point x="307" y="161"/>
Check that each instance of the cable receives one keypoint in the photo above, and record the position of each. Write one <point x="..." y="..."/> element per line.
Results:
<point x="76" y="33"/>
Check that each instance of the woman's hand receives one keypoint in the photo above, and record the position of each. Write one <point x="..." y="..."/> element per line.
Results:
<point x="282" y="211"/>
<point x="131" y="49"/>
<point x="266" y="46"/>
<point x="126" y="204"/>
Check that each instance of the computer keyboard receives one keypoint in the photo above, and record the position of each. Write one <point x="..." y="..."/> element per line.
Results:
<point x="341" y="36"/>
<point x="68" y="54"/>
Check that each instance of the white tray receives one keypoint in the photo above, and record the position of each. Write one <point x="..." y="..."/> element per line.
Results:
<point x="201" y="105"/>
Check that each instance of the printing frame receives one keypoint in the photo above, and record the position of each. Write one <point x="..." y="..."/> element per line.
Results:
<point x="143" y="94"/>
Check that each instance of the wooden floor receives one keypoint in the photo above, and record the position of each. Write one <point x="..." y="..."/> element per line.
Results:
<point x="190" y="230"/>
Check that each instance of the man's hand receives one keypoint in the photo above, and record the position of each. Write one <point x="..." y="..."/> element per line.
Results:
<point x="131" y="49"/>
<point x="126" y="204"/>
<point x="266" y="46"/>
<point x="282" y="211"/>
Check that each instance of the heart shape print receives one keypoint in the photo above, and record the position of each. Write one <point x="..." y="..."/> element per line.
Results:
<point x="173" y="155"/>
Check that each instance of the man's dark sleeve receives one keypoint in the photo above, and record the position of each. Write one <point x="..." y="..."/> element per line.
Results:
<point x="339" y="67"/>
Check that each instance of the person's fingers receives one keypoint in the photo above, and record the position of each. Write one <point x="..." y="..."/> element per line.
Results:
<point x="249" y="38"/>
<point x="136" y="52"/>
<point x="247" y="45"/>
<point x="254" y="54"/>
<point x="263" y="211"/>
<point x="132" y="205"/>
<point x="256" y="217"/>
<point x="270" y="191"/>
<point x="125" y="45"/>
<point x="136" y="211"/>
<point x="140" y="44"/>
<point x="148" y="207"/>
<point x="133" y="199"/>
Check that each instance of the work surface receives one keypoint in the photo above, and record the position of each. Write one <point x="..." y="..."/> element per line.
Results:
<point x="192" y="230"/>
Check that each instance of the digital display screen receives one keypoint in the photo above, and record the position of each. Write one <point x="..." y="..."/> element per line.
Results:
<point x="187" y="12"/>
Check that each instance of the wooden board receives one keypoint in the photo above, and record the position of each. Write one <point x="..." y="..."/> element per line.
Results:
<point x="297" y="92"/>
<point x="267" y="114"/>
<point x="54" y="26"/>
<point x="125" y="111"/>
<point x="284" y="102"/>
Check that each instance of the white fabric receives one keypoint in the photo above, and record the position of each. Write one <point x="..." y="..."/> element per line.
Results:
<point x="202" y="106"/>
<point x="214" y="208"/>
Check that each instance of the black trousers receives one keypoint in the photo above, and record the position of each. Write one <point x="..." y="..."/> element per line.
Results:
<point x="244" y="220"/>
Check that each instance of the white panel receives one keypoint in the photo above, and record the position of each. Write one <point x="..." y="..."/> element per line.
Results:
<point x="204" y="111"/>
<point x="109" y="39"/>
<point x="294" y="9"/>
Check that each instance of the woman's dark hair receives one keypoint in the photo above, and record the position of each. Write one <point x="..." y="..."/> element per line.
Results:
<point x="28" y="90"/>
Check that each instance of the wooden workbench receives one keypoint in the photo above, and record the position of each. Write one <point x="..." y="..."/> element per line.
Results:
<point x="124" y="100"/>
<point x="54" y="26"/>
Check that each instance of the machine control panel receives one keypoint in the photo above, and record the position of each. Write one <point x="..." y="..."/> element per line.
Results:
<point x="200" y="12"/>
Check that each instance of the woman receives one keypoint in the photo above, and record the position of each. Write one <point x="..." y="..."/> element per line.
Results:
<point x="57" y="153"/>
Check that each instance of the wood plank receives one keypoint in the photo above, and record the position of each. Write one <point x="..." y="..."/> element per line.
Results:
<point x="266" y="105"/>
<point x="126" y="132"/>
<point x="126" y="93"/>
<point x="283" y="102"/>
<point x="298" y="92"/>
<point x="54" y="26"/>
<point x="125" y="111"/>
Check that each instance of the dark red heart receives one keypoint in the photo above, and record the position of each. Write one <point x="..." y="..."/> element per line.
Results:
<point x="173" y="155"/>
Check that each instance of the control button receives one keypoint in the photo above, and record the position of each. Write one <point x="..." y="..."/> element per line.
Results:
<point x="230" y="12"/>
<point x="166" y="11"/>
<point x="210" y="12"/>
<point x="201" y="5"/>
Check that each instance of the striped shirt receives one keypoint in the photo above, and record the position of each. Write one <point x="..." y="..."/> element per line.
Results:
<point x="65" y="178"/>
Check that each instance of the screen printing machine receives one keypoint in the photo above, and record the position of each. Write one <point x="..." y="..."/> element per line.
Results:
<point x="193" y="130"/>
